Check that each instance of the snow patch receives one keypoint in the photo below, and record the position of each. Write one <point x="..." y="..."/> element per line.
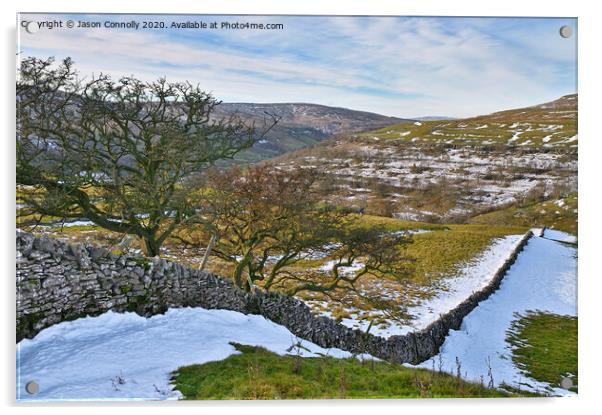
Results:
<point x="327" y="267"/>
<point x="559" y="236"/>
<point x="122" y="356"/>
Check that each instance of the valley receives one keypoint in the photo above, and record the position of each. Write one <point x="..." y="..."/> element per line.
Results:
<point x="299" y="125"/>
<point x="463" y="191"/>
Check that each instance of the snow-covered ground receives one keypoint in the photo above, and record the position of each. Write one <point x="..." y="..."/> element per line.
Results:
<point x="69" y="224"/>
<point x="327" y="267"/>
<point x="473" y="276"/>
<point x="127" y="357"/>
<point x="480" y="179"/>
<point x="544" y="278"/>
<point x="559" y="236"/>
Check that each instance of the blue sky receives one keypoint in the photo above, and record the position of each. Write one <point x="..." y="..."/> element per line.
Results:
<point x="401" y="66"/>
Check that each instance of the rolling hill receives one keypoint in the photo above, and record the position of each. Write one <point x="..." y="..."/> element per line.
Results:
<point x="300" y="125"/>
<point x="454" y="170"/>
<point x="553" y="124"/>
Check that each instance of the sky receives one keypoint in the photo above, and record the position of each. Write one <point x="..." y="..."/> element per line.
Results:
<point x="396" y="66"/>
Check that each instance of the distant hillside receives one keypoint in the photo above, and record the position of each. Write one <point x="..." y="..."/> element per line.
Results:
<point x="454" y="170"/>
<point x="553" y="124"/>
<point x="434" y="118"/>
<point x="301" y="125"/>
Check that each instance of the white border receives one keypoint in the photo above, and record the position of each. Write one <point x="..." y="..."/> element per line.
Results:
<point x="590" y="204"/>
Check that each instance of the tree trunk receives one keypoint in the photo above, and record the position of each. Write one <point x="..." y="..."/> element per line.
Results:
<point x="207" y="252"/>
<point x="237" y="276"/>
<point x="238" y="271"/>
<point x="151" y="247"/>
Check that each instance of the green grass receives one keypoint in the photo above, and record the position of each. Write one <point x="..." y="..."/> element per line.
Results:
<point x="453" y="244"/>
<point x="547" y="213"/>
<point x="392" y="224"/>
<point x="443" y="252"/>
<point x="538" y="127"/>
<point x="259" y="374"/>
<point x="545" y="347"/>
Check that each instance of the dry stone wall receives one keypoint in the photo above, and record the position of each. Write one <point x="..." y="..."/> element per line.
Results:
<point x="57" y="282"/>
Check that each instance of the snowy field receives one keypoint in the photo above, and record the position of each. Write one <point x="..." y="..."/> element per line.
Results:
<point x="544" y="278"/>
<point x="473" y="276"/>
<point x="127" y="357"/>
<point x="479" y="179"/>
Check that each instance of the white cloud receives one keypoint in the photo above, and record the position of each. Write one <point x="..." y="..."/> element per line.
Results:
<point x="403" y="67"/>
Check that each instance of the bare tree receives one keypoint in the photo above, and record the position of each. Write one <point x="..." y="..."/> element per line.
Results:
<point x="118" y="152"/>
<point x="266" y="220"/>
<point x="358" y="252"/>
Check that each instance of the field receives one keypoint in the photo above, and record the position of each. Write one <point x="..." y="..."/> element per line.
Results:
<point x="545" y="347"/>
<point x="547" y="125"/>
<point x="256" y="373"/>
<point x="384" y="301"/>
<point x="558" y="214"/>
